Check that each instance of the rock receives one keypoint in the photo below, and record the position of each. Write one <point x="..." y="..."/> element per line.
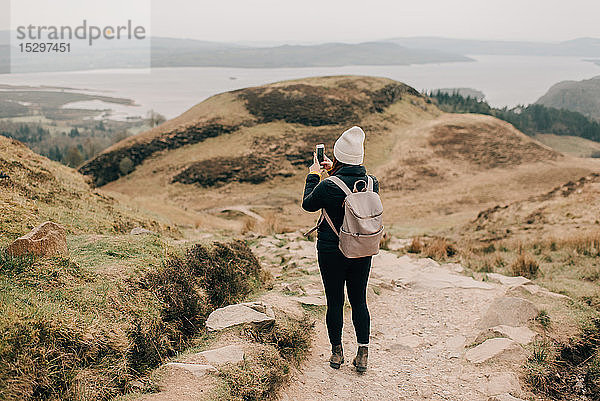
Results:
<point x="47" y="239"/>
<point x="140" y="231"/>
<point x="312" y="300"/>
<point x="534" y="289"/>
<point x="229" y="354"/>
<point x="195" y="368"/>
<point x="397" y="244"/>
<point x="411" y="341"/>
<point x="455" y="267"/>
<point x="507" y="280"/>
<point x="503" y="383"/>
<point x="426" y="262"/>
<point x="491" y="348"/>
<point x="421" y="274"/>
<point x="292" y="287"/>
<point x="454" y="346"/>
<point x="509" y="311"/>
<point x="521" y="335"/>
<point x="233" y="315"/>
<point x="504" y="397"/>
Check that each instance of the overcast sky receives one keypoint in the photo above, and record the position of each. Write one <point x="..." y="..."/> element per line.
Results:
<point x="352" y="20"/>
<point x="356" y="20"/>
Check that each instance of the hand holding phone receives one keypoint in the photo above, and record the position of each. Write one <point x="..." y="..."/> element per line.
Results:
<point x="320" y="153"/>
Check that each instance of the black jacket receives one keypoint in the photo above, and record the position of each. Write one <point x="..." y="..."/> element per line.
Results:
<point x="328" y="195"/>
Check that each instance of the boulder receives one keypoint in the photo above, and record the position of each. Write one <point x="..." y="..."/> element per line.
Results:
<point x="233" y="315"/>
<point x="509" y="311"/>
<point x="229" y="354"/>
<point x="47" y="239"/>
<point x="490" y="349"/>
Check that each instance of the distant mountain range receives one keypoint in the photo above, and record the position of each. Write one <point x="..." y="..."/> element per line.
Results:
<point x="171" y="52"/>
<point x="581" y="47"/>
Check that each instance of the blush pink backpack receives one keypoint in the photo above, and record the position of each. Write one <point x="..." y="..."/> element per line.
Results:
<point x="362" y="227"/>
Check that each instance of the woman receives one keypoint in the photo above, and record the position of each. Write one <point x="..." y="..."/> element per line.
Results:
<point x="337" y="270"/>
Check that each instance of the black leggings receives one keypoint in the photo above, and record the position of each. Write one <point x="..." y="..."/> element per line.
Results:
<point x="337" y="270"/>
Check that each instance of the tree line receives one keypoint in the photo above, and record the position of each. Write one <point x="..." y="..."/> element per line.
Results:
<point x="531" y="119"/>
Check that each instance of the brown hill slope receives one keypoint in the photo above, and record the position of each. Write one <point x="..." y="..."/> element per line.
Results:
<point x="248" y="150"/>
<point x="567" y="209"/>
<point x="37" y="189"/>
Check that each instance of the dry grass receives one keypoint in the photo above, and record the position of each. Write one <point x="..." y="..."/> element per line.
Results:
<point x="525" y="265"/>
<point x="416" y="245"/>
<point x="438" y="248"/>
<point x="284" y="346"/>
<point x="272" y="223"/>
<point x="39" y="190"/>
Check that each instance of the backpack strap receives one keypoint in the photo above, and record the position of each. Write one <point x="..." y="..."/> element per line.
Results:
<point x="325" y="216"/>
<point x="306" y="234"/>
<point x="338" y="181"/>
<point x="369" y="183"/>
<point x="330" y="222"/>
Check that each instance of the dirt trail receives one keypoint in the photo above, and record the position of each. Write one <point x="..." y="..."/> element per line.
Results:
<point x="424" y="317"/>
<point x="426" y="326"/>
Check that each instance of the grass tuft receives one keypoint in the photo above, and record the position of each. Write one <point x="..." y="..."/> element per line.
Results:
<point x="284" y="345"/>
<point x="525" y="265"/>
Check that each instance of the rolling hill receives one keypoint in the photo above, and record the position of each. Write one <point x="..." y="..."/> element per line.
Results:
<point x="584" y="47"/>
<point x="246" y="152"/>
<point x="569" y="209"/>
<point x="36" y="189"/>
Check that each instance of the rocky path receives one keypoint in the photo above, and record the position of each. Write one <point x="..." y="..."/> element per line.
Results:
<point x="427" y="320"/>
<point x="437" y="334"/>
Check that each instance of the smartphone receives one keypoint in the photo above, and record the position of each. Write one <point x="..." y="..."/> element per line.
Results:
<point x="320" y="153"/>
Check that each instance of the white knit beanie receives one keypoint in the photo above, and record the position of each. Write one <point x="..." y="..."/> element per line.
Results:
<point x="349" y="146"/>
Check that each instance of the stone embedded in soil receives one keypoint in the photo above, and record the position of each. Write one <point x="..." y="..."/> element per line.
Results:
<point x="507" y="280"/>
<point x="397" y="244"/>
<point x="411" y="341"/>
<point x="455" y="345"/>
<point x="509" y="311"/>
<point x="421" y="274"/>
<point x="534" y="289"/>
<point x="47" y="239"/>
<point x="140" y="231"/>
<point x="503" y="397"/>
<point x="292" y="287"/>
<point x="522" y="335"/>
<point x="503" y="383"/>
<point x="233" y="315"/>
<point x="490" y="349"/>
<point x="196" y="369"/>
<point x="312" y="300"/>
<point x="228" y="354"/>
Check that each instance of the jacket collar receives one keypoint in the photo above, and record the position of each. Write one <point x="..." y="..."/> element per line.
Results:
<point x="358" y="171"/>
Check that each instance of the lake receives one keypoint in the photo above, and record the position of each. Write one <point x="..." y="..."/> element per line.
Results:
<point x="505" y="80"/>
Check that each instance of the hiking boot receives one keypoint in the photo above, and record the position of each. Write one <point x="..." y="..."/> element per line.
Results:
<point x="337" y="356"/>
<point x="360" y="362"/>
